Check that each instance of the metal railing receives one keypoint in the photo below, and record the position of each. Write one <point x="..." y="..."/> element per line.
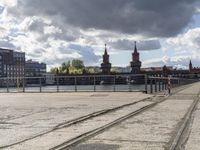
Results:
<point x="91" y="83"/>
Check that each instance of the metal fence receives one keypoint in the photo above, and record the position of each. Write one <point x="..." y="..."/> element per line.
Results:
<point x="89" y="83"/>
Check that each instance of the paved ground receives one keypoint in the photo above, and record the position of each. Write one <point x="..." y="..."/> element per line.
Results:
<point x="23" y="116"/>
<point x="151" y="130"/>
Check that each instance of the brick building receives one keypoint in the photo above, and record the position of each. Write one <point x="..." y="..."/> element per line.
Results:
<point x="12" y="63"/>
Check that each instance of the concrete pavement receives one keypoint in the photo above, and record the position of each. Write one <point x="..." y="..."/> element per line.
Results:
<point x="23" y="116"/>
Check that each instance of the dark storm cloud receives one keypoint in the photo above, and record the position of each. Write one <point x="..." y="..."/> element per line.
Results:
<point x="141" y="45"/>
<point x="160" y="18"/>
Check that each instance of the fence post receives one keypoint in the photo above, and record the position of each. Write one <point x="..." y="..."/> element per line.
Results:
<point x="155" y="85"/>
<point x="75" y="81"/>
<point x="94" y="84"/>
<point x="23" y="84"/>
<point x="163" y="84"/>
<point x="129" y="85"/>
<point x="146" y="84"/>
<point x="151" y="86"/>
<point x="57" y="83"/>
<point x="114" y="86"/>
<point x="40" y="79"/>
<point x="159" y="85"/>
<point x="7" y="84"/>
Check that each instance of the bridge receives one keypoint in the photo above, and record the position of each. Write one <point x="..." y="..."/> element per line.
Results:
<point x="101" y="120"/>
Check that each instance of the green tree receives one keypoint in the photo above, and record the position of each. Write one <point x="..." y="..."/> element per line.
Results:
<point x="54" y="70"/>
<point x="77" y="64"/>
<point x="65" y="66"/>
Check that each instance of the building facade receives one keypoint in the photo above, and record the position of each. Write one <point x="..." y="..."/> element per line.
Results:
<point x="12" y="64"/>
<point x="34" y="69"/>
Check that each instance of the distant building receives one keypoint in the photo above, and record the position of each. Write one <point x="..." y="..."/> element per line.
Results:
<point x="12" y="63"/>
<point x="34" y="68"/>
<point x="156" y="69"/>
<point x="135" y="63"/>
<point x="106" y="65"/>
<point x="193" y="70"/>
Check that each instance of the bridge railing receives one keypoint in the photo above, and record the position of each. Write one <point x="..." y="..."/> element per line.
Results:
<point x="91" y="83"/>
<point x="158" y="84"/>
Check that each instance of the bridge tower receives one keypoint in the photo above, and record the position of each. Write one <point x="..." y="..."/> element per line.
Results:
<point x="106" y="65"/>
<point x="190" y="67"/>
<point x="135" y="63"/>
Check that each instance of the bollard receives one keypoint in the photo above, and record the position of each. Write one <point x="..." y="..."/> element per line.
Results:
<point x="169" y="85"/>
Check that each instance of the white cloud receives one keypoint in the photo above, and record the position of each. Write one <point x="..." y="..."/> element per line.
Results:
<point x="54" y="41"/>
<point x="10" y="3"/>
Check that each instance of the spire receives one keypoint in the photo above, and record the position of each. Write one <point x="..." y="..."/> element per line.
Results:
<point x="105" y="53"/>
<point x="190" y="67"/>
<point x="190" y="62"/>
<point x="135" y="50"/>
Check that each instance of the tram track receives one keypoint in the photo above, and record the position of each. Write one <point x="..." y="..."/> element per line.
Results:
<point x="78" y="120"/>
<point x="178" y="141"/>
<point x="85" y="136"/>
<point x="90" y="133"/>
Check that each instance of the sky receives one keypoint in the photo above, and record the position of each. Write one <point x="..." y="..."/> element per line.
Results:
<point x="55" y="31"/>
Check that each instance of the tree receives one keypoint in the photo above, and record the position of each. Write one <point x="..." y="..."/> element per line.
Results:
<point x="65" y="66"/>
<point x="74" y="67"/>
<point x="77" y="64"/>
<point x="54" y="70"/>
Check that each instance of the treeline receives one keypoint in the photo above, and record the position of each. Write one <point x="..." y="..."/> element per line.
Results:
<point x="75" y="66"/>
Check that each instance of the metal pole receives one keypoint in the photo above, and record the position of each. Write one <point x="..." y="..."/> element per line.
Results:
<point x="57" y="83"/>
<point x="94" y="84"/>
<point x="114" y="86"/>
<point x="151" y="86"/>
<point x="159" y="85"/>
<point x="163" y="84"/>
<point x="40" y="79"/>
<point x="75" y="84"/>
<point x="146" y="83"/>
<point x="7" y="84"/>
<point x="129" y="86"/>
<point x="155" y="85"/>
<point x="23" y="84"/>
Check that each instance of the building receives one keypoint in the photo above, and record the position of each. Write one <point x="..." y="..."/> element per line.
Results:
<point x="106" y="65"/>
<point x="194" y="71"/>
<point x="135" y="63"/>
<point x="34" y="68"/>
<point x="12" y="64"/>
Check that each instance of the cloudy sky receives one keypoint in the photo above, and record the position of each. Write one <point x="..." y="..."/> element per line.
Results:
<point x="54" y="31"/>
